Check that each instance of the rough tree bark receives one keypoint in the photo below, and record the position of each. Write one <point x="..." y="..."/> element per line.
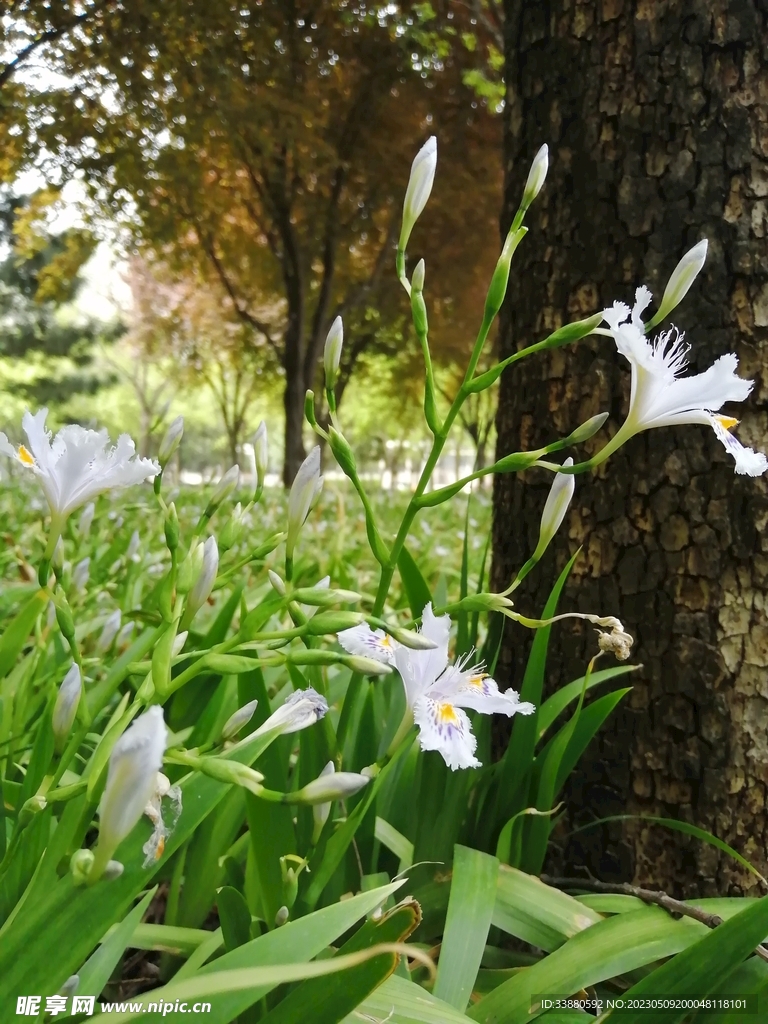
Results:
<point x="656" y="113"/>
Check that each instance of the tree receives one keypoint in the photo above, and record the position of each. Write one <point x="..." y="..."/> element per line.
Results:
<point x="655" y="114"/>
<point x="271" y="140"/>
<point x="39" y="277"/>
<point x="183" y="332"/>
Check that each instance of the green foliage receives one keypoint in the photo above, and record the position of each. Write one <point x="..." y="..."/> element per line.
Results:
<point x="39" y="277"/>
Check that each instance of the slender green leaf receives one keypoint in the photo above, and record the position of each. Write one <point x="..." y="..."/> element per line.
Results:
<point x="281" y="956"/>
<point x="515" y="766"/>
<point x="470" y="908"/>
<point x="15" y="635"/>
<point x="399" y="1001"/>
<point x="235" y="917"/>
<point x="605" y="950"/>
<point x="537" y="913"/>
<point x="560" y="699"/>
<point x="680" y="826"/>
<point x="416" y="589"/>
<point x="98" y="968"/>
<point x="328" y="1000"/>
<point x="704" y="967"/>
<point x="395" y="841"/>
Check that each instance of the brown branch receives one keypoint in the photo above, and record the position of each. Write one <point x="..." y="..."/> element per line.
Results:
<point x="357" y="294"/>
<point x="651" y="896"/>
<point x="242" y="311"/>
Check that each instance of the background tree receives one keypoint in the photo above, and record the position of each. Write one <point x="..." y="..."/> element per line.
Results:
<point x="271" y="141"/>
<point x="656" y="117"/>
<point x="183" y="334"/>
<point x="40" y="277"/>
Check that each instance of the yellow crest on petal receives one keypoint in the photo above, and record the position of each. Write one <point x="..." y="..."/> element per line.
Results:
<point x="25" y="458"/>
<point x="726" y="422"/>
<point x="447" y="715"/>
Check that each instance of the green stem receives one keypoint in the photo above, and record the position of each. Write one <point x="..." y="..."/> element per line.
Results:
<point x="400" y="267"/>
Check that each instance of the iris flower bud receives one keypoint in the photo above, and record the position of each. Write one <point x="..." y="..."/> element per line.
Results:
<point x="190" y="568"/>
<point x="80" y="574"/>
<point x="232" y="772"/>
<point x="135" y="760"/>
<point x="171" y="527"/>
<point x="332" y="352"/>
<point x="241" y="717"/>
<point x="277" y="584"/>
<point x="133" y="547"/>
<point x="330" y="785"/>
<point x="226" y="485"/>
<point x="302" y="709"/>
<point x="65" y="708"/>
<point x="261" y="453"/>
<point x="203" y="585"/>
<point x="171" y="441"/>
<point x="681" y="279"/>
<point x="536" y="177"/>
<point x="233" y="528"/>
<point x="419" y="188"/>
<point x="109" y="632"/>
<point x="305" y="490"/>
<point x="320" y="812"/>
<point x="555" y="507"/>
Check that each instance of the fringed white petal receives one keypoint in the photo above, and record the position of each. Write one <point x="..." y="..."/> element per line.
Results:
<point x="420" y="669"/>
<point x="78" y="464"/>
<point x="446" y="728"/>
<point x="369" y="643"/>
<point x="748" y="461"/>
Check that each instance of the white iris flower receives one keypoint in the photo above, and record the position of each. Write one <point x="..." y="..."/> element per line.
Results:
<point x="660" y="397"/>
<point x="132" y="780"/>
<point x="437" y="692"/>
<point x="78" y="464"/>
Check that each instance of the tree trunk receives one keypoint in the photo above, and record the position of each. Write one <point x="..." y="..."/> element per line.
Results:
<point x="293" y="395"/>
<point x="656" y="114"/>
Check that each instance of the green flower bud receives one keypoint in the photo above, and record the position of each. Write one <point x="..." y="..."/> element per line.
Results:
<point x="231" y="772"/>
<point x="190" y="568"/>
<point x="233" y="528"/>
<point x="324" y="596"/>
<point x="536" y="177"/>
<point x="366" y="666"/>
<point x="342" y="452"/>
<point x="683" y="276"/>
<point x="498" y="286"/>
<point x="241" y="717"/>
<point x="171" y="527"/>
<point x="333" y="622"/>
<point x="80" y="865"/>
<point x="587" y="429"/>
<point x="64" y="618"/>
